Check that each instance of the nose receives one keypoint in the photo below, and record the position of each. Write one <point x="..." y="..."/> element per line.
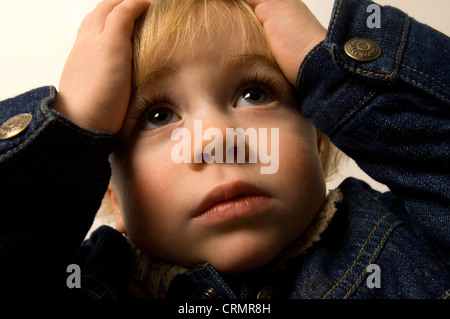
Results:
<point x="220" y="141"/>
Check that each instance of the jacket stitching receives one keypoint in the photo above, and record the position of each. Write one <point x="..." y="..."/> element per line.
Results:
<point x="204" y="266"/>
<point x="346" y="115"/>
<point x="31" y="136"/>
<point x="212" y="276"/>
<point x="361" y="70"/>
<point x="101" y="284"/>
<point x="428" y="89"/>
<point x="334" y="20"/>
<point x="427" y="75"/>
<point x="357" y="257"/>
<point x="19" y="146"/>
<point x="69" y="126"/>
<point x="307" y="58"/>
<point x="373" y="257"/>
<point x="60" y="121"/>
<point x="397" y="57"/>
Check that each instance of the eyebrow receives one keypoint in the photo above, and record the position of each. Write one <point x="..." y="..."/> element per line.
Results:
<point x="161" y="72"/>
<point x="232" y="62"/>
<point x="248" y="60"/>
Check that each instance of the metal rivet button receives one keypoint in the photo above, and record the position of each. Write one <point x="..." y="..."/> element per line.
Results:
<point x="267" y="292"/>
<point x="362" y="50"/>
<point x="208" y="293"/>
<point x="15" y="125"/>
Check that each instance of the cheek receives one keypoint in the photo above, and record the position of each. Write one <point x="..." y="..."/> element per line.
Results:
<point x="149" y="175"/>
<point x="147" y="194"/>
<point x="299" y="152"/>
<point x="152" y="176"/>
<point x="298" y="145"/>
<point x="300" y="172"/>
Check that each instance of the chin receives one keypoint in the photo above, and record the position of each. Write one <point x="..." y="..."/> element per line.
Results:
<point x="243" y="258"/>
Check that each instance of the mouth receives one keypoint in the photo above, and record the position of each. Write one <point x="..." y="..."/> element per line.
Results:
<point x="231" y="201"/>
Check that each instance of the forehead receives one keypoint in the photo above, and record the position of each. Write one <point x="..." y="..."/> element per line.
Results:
<point x="222" y="54"/>
<point x="216" y="59"/>
<point x="227" y="32"/>
<point x="235" y="62"/>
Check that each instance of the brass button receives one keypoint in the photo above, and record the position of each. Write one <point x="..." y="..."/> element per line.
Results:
<point x="267" y="292"/>
<point x="362" y="50"/>
<point x="15" y="125"/>
<point x="208" y="293"/>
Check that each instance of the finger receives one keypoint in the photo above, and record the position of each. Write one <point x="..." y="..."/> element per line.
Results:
<point x="264" y="8"/>
<point x="95" y="20"/>
<point x="253" y="3"/>
<point x="121" y="20"/>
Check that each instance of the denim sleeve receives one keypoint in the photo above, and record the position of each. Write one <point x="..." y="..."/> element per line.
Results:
<point x="390" y="115"/>
<point x="53" y="178"/>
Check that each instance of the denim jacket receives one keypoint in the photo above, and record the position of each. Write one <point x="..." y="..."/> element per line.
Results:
<point x="391" y="115"/>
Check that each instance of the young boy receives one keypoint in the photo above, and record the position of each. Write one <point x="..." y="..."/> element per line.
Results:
<point x="209" y="227"/>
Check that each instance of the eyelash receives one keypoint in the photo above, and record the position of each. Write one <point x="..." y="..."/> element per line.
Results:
<point x="143" y="105"/>
<point x="271" y="84"/>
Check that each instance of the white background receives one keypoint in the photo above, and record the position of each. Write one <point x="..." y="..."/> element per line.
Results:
<point x="36" y="37"/>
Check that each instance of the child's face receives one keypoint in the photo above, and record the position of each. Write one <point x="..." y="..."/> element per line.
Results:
<point x="161" y="202"/>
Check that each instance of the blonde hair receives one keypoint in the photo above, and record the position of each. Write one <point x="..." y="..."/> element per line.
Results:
<point x="171" y="25"/>
<point x="330" y="156"/>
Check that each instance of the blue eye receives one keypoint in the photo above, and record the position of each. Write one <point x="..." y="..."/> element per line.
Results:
<point x="253" y="96"/>
<point x="159" y="117"/>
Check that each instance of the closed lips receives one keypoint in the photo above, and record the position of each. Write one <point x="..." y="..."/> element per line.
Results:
<point x="232" y="200"/>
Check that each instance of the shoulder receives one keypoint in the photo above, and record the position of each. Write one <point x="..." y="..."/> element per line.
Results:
<point x="367" y="230"/>
<point x="104" y="262"/>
